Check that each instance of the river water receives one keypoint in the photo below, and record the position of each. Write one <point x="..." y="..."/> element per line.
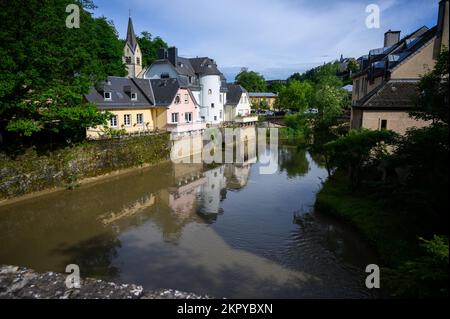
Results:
<point x="223" y="230"/>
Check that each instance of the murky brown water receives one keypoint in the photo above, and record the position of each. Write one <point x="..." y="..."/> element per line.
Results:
<point x="226" y="231"/>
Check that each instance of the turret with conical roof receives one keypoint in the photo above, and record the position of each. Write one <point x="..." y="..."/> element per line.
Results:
<point x="132" y="56"/>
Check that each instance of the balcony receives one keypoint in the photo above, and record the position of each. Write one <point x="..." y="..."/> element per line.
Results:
<point x="185" y="127"/>
<point x="246" y="119"/>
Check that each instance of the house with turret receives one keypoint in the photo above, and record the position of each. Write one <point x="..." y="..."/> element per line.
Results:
<point x="201" y="75"/>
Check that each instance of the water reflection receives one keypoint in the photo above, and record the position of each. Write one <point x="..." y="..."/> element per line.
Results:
<point x="224" y="230"/>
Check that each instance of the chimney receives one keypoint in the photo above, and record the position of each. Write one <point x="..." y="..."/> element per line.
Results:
<point x="162" y="53"/>
<point x="442" y="28"/>
<point x="172" y="54"/>
<point x="391" y="38"/>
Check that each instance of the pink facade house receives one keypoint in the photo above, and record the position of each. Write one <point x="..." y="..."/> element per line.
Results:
<point x="182" y="111"/>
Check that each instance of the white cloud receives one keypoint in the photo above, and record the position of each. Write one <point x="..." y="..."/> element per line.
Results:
<point x="272" y="36"/>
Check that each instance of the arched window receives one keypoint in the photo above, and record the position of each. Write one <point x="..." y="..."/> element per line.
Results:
<point x="177" y="99"/>
<point x="209" y="92"/>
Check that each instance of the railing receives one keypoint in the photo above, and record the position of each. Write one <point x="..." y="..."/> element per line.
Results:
<point x="185" y="127"/>
<point x="246" y="119"/>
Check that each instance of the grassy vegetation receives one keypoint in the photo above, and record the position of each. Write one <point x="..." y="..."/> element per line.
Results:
<point x="391" y="233"/>
<point x="411" y="265"/>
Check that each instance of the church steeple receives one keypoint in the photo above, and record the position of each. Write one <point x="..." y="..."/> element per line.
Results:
<point x="131" y="36"/>
<point x="132" y="56"/>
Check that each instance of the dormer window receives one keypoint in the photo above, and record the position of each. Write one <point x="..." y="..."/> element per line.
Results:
<point x="133" y="96"/>
<point x="107" y="96"/>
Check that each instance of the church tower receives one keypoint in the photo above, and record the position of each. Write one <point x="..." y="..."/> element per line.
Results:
<point x="132" y="56"/>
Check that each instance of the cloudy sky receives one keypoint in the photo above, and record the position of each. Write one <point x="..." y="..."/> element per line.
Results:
<point x="275" y="38"/>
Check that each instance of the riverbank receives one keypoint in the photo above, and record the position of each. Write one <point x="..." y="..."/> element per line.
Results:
<point x="413" y="264"/>
<point x="19" y="283"/>
<point x="388" y="232"/>
<point x="33" y="172"/>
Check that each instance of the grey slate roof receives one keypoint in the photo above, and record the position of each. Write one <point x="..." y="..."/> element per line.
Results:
<point x="121" y="89"/>
<point x="150" y="93"/>
<point x="164" y="90"/>
<point x="392" y="95"/>
<point x="131" y="36"/>
<point x="234" y="94"/>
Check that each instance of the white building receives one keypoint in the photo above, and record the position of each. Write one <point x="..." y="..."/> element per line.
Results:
<point x="207" y="83"/>
<point x="237" y="105"/>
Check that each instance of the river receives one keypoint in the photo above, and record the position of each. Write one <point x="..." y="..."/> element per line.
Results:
<point x="224" y="230"/>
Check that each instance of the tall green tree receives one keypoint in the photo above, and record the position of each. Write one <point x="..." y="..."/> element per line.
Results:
<point x="296" y="96"/>
<point x="251" y="81"/>
<point x="149" y="47"/>
<point x="47" y="67"/>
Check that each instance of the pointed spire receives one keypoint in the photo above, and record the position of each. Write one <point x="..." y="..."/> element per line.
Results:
<point x="131" y="37"/>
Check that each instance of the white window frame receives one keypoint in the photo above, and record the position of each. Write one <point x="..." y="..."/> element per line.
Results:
<point x="107" y="98"/>
<point x="125" y="117"/>
<point x="188" y="115"/>
<point x="133" y="96"/>
<point x="186" y="98"/>
<point x="175" y="115"/>
<point x="140" y="119"/>
<point x="114" y="119"/>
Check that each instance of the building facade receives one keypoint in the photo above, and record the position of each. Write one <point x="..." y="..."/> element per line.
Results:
<point x="201" y="76"/>
<point x="237" y="107"/>
<point x="385" y="88"/>
<point x="259" y="99"/>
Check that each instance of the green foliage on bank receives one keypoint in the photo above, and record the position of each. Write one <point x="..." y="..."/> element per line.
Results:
<point x="412" y="266"/>
<point x="34" y="170"/>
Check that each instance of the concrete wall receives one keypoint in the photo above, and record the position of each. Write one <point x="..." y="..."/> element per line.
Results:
<point x="397" y="121"/>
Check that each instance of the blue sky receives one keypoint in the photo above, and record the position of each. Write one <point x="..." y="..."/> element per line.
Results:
<point x="275" y="38"/>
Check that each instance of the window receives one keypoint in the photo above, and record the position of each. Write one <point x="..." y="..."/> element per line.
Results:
<point x="220" y="98"/>
<point x="215" y="118"/>
<point x="127" y="119"/>
<point x="209" y="91"/>
<point x="212" y="105"/>
<point x="177" y="99"/>
<point x="113" y="121"/>
<point x="107" y="95"/>
<point x="128" y="60"/>
<point x="140" y="118"/>
<point x="383" y="124"/>
<point x="220" y="114"/>
<point x="186" y="98"/>
<point x="134" y="96"/>
<point x="357" y="87"/>
<point x="188" y="117"/>
<point x="138" y="61"/>
<point x="174" y="117"/>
